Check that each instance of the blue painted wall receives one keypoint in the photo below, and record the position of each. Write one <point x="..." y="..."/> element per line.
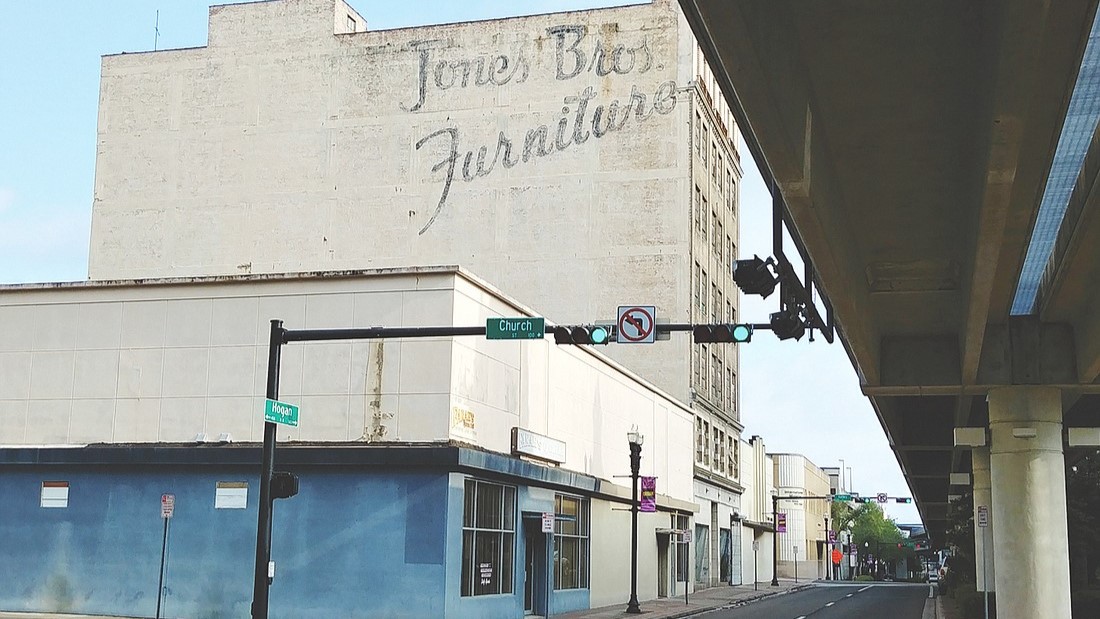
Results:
<point x="351" y="544"/>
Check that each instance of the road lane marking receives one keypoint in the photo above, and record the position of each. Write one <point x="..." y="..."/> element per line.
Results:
<point x="930" y="591"/>
<point x="864" y="589"/>
<point x="829" y="604"/>
<point x="849" y="595"/>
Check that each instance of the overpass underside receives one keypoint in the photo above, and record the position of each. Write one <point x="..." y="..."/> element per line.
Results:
<point x="911" y="143"/>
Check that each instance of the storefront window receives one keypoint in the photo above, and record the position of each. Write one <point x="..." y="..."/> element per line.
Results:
<point x="488" y="538"/>
<point x="570" y="542"/>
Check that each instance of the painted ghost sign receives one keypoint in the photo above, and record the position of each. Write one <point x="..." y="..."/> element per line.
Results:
<point x="584" y="115"/>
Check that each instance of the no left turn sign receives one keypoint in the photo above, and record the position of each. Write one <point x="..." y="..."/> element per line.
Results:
<point x="636" y="324"/>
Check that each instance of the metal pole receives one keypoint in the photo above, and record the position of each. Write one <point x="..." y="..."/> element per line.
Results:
<point x="755" y="564"/>
<point x="160" y="583"/>
<point x="795" y="564"/>
<point x="775" y="540"/>
<point x="985" y="578"/>
<point x="828" y="546"/>
<point x="261" y="583"/>
<point x="635" y="464"/>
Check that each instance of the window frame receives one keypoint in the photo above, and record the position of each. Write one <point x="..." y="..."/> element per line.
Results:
<point x="503" y="562"/>
<point x="582" y="572"/>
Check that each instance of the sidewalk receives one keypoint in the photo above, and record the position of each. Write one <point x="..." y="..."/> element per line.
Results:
<point x="721" y="596"/>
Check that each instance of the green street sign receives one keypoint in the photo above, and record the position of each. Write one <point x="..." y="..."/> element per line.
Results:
<point x="842" y="497"/>
<point x="280" y="412"/>
<point x="515" y="328"/>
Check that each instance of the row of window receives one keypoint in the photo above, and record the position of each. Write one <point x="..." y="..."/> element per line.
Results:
<point x="227" y="495"/>
<point x="489" y="539"/>
<point x="717" y="450"/>
<point x="721" y="242"/>
<point x="720" y="174"/>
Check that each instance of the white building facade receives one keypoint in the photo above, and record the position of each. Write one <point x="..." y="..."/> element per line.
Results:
<point x="104" y="372"/>
<point x="576" y="160"/>
<point x="803" y="547"/>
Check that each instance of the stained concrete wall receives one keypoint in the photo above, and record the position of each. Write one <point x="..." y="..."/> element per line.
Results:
<point x="550" y="154"/>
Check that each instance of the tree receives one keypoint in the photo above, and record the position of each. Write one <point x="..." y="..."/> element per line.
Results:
<point x="876" y="534"/>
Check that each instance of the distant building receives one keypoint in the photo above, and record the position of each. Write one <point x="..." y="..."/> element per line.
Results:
<point x="755" y="517"/>
<point x="805" y="541"/>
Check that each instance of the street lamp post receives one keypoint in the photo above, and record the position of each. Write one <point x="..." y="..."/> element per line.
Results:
<point x="635" y="440"/>
<point x="775" y="540"/>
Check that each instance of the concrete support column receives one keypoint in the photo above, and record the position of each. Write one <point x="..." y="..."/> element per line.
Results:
<point x="983" y="536"/>
<point x="1028" y="480"/>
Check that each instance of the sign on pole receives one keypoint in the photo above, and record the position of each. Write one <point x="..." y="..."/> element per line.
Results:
<point x="280" y="412"/>
<point x="636" y="324"/>
<point x="167" y="505"/>
<point x="515" y="328"/>
<point x="844" y="498"/>
<point x="648" y="500"/>
<point x="781" y="522"/>
<point x="547" y="522"/>
<point x="983" y="516"/>
<point x="882" y="498"/>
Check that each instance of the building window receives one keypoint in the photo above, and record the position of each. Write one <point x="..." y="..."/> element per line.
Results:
<point x="735" y="456"/>
<point x="706" y="138"/>
<point x="681" y="523"/>
<point x="732" y="255"/>
<point x="718" y="462"/>
<point x="719" y="375"/>
<point x="704" y="290"/>
<point x="714" y="307"/>
<point x="570" y="543"/>
<point x="719" y="235"/>
<point x="54" y="494"/>
<point x="699" y="213"/>
<point x="351" y="24"/>
<point x="488" y="538"/>
<point x="706" y="444"/>
<point x="703" y="217"/>
<point x="700" y="440"/>
<point x="698" y="134"/>
<point x="715" y="379"/>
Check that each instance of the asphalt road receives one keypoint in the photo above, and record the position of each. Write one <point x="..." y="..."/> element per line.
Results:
<point x="841" y="601"/>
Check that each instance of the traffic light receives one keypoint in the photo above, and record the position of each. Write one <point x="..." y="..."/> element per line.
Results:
<point x="736" y="333"/>
<point x="585" y="334"/>
<point x="788" y="324"/>
<point x="903" y="499"/>
<point x="753" y="277"/>
<point x="283" y="485"/>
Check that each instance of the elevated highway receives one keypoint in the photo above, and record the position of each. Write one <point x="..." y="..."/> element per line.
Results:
<point x="911" y="144"/>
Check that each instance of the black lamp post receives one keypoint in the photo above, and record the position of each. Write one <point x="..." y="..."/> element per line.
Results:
<point x="635" y="440"/>
<point x="775" y="540"/>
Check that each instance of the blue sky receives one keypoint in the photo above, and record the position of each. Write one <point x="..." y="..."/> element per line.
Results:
<point x="801" y="397"/>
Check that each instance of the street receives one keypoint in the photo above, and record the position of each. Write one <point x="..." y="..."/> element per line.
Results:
<point x="828" y="601"/>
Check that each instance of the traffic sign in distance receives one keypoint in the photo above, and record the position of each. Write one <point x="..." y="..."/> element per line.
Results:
<point x="842" y="497"/>
<point x="882" y="498"/>
<point x="167" y="505"/>
<point x="983" y="516"/>
<point x="280" y="412"/>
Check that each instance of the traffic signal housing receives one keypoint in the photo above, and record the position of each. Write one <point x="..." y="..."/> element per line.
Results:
<point x="283" y="485"/>
<point x="735" y="333"/>
<point x="903" y="499"/>
<point x="788" y="324"/>
<point x="753" y="277"/>
<point x="584" y="334"/>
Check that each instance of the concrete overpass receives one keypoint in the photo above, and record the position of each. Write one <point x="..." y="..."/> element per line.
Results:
<point x="912" y="144"/>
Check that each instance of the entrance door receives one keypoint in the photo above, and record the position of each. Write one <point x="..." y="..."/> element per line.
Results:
<point x="664" y="569"/>
<point x="534" y="564"/>
<point x="725" y="557"/>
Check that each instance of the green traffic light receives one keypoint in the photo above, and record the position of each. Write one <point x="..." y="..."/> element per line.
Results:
<point x="599" y="335"/>
<point x="741" y="333"/>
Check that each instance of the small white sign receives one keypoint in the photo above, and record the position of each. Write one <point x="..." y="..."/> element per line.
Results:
<point x="167" y="505"/>
<point x="755" y="545"/>
<point x="55" y="494"/>
<point x="231" y="495"/>
<point x="528" y="443"/>
<point x="547" y="522"/>
<point x="983" y="516"/>
<point x="687" y="536"/>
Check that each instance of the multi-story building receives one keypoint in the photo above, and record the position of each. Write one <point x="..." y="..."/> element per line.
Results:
<point x="803" y="546"/>
<point x="579" y="161"/>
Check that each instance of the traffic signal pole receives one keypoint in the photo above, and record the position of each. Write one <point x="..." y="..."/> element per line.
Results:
<point x="262" y="582"/>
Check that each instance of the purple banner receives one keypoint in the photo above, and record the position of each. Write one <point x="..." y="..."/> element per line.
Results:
<point x="648" y="502"/>
<point x="781" y="522"/>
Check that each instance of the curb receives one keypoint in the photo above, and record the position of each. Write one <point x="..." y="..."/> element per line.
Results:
<point x="737" y="604"/>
